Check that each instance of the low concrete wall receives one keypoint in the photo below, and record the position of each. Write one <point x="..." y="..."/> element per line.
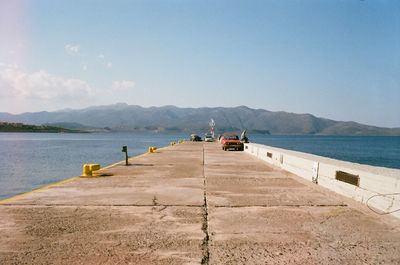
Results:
<point x="323" y="171"/>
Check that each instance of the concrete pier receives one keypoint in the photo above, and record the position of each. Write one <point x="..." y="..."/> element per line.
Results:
<point x="193" y="203"/>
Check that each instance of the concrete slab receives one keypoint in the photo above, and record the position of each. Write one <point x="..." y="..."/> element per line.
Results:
<point x="301" y="235"/>
<point x="193" y="203"/>
<point x="236" y="191"/>
<point x="100" y="235"/>
<point x="129" y="191"/>
<point x="242" y="180"/>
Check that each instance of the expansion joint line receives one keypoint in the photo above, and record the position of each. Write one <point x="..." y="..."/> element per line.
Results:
<point x="205" y="247"/>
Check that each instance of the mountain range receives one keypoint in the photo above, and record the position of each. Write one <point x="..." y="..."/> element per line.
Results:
<point x="124" y="117"/>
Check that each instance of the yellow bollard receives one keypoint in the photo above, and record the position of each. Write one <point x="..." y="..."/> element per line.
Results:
<point x="86" y="170"/>
<point x="152" y="149"/>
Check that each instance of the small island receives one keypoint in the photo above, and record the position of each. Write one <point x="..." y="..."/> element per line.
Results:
<point x="21" y="127"/>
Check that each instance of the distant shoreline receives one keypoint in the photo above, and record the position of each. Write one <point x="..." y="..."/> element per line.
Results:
<point x="40" y="132"/>
<point x="7" y="127"/>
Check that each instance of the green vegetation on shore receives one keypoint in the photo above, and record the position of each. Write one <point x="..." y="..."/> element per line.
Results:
<point x="20" y="127"/>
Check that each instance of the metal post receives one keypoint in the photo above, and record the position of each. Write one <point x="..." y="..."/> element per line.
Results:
<point x="125" y="149"/>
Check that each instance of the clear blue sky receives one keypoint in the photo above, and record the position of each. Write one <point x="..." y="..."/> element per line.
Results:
<point x="333" y="59"/>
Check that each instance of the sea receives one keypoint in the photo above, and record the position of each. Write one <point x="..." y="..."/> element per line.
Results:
<point x="32" y="160"/>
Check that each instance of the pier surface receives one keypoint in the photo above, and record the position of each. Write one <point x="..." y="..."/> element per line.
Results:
<point x="193" y="204"/>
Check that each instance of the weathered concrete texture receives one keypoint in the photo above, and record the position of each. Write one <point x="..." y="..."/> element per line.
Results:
<point x="189" y="204"/>
<point x="100" y="235"/>
<point x="306" y="235"/>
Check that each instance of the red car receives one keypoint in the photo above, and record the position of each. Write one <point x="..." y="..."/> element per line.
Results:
<point x="231" y="141"/>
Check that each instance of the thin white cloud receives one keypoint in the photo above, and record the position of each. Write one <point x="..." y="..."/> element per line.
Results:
<point x="72" y="49"/>
<point x="123" y="85"/>
<point x="102" y="61"/>
<point x="41" y="85"/>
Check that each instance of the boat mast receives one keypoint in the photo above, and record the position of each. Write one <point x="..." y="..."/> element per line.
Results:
<point x="212" y="126"/>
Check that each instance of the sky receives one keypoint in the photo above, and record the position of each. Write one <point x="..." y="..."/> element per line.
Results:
<point x="334" y="59"/>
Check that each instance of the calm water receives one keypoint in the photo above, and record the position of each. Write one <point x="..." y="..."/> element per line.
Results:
<point x="32" y="160"/>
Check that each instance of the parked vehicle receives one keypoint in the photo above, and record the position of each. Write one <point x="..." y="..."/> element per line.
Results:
<point x="208" y="137"/>
<point x="231" y="141"/>
<point x="195" y="138"/>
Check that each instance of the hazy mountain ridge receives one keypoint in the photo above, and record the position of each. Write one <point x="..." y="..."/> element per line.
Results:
<point x="132" y="117"/>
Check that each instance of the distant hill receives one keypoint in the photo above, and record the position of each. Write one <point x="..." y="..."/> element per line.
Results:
<point x="19" y="127"/>
<point x="170" y="118"/>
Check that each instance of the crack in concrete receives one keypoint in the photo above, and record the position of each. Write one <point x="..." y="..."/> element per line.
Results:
<point x="206" y="251"/>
